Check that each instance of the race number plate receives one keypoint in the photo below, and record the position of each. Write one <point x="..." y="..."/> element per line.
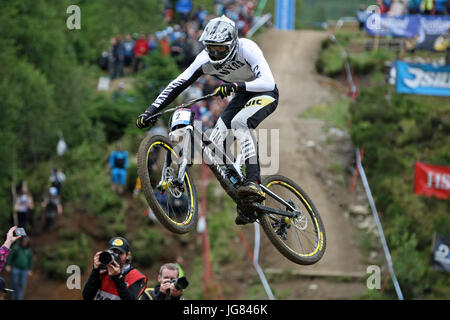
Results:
<point x="181" y="117"/>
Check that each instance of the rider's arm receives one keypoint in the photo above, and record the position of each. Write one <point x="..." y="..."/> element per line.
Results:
<point x="254" y="56"/>
<point x="177" y="86"/>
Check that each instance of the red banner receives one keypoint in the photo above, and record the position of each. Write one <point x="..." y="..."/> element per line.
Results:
<point x="431" y="180"/>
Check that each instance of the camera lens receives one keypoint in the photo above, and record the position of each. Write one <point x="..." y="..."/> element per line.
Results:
<point x="105" y="257"/>
<point x="181" y="283"/>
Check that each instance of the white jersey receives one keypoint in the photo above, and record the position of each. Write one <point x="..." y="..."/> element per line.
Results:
<point x="248" y="66"/>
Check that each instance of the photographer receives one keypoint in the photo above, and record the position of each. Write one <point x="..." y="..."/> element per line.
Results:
<point x="5" y="248"/>
<point x="112" y="277"/>
<point x="170" y="288"/>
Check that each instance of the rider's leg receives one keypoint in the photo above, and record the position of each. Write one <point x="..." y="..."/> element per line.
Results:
<point x="255" y="111"/>
<point x="221" y="129"/>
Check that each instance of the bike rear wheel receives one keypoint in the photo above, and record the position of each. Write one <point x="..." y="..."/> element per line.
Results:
<point x="174" y="204"/>
<point x="301" y="239"/>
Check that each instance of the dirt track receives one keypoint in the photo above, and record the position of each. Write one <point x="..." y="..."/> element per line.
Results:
<point x="291" y="56"/>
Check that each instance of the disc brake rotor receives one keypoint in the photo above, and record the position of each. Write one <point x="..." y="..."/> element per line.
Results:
<point x="174" y="189"/>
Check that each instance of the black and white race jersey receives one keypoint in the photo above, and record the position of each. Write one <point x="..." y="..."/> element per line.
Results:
<point x="248" y="67"/>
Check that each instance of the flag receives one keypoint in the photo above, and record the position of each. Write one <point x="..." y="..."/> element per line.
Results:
<point x="431" y="180"/>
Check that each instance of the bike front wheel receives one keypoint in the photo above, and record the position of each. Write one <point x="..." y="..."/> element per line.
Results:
<point x="301" y="239"/>
<point x="174" y="203"/>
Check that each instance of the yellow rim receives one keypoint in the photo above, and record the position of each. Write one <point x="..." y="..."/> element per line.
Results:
<point x="320" y="242"/>
<point x="191" y="213"/>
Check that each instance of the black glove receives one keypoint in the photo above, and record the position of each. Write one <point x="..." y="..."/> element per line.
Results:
<point x="224" y="90"/>
<point x="146" y="120"/>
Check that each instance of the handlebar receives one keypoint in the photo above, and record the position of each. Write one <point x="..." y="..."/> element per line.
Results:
<point x="184" y="105"/>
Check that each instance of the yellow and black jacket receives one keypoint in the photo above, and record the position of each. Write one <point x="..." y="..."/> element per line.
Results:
<point x="156" y="294"/>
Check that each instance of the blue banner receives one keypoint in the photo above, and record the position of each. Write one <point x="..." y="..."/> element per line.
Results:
<point x="285" y="14"/>
<point x="408" y="26"/>
<point x="424" y="79"/>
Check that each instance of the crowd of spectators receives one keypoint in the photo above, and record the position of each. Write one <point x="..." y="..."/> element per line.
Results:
<point x="402" y="7"/>
<point x="179" y="40"/>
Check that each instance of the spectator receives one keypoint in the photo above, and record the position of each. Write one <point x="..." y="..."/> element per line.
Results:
<point x="116" y="280"/>
<point x="118" y="163"/>
<point x="152" y="43"/>
<point x="184" y="8"/>
<point x="119" y="57"/>
<point x="398" y="8"/>
<point x="5" y="249"/>
<point x="52" y="206"/>
<point x="361" y="16"/>
<point x="427" y="6"/>
<point x="20" y="264"/>
<point x="414" y="6"/>
<point x="140" y="50"/>
<point x="166" y="289"/>
<point x="177" y="50"/>
<point x="111" y="57"/>
<point x="168" y="11"/>
<point x="57" y="178"/>
<point x="128" y="46"/>
<point x="382" y="6"/>
<point x="24" y="205"/>
<point x="219" y="7"/>
<point x="201" y="15"/>
<point x="439" y="6"/>
<point x="3" y="289"/>
<point x="165" y="46"/>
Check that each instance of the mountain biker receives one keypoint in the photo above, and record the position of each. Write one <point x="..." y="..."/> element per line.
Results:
<point x="240" y="63"/>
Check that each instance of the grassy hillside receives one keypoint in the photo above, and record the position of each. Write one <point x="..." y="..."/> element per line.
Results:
<point x="395" y="131"/>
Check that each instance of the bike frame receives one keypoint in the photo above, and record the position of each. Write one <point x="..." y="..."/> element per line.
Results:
<point x="203" y="143"/>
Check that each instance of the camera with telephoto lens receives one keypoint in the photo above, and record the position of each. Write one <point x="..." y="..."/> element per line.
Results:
<point x="180" y="283"/>
<point x="107" y="257"/>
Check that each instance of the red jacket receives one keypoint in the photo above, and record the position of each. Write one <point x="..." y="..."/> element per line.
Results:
<point x="140" y="47"/>
<point x="108" y="289"/>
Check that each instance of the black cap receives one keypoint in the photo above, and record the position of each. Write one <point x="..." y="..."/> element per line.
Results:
<point x="120" y="244"/>
<point x="2" y="286"/>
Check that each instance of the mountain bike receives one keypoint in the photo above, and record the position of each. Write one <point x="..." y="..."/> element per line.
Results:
<point x="287" y="215"/>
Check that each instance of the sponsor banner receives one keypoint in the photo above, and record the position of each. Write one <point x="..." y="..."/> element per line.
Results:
<point x="425" y="79"/>
<point x="441" y="253"/>
<point x="431" y="180"/>
<point x="408" y="26"/>
<point x="285" y="14"/>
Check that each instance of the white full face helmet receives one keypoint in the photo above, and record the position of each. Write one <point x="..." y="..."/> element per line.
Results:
<point x="220" y="38"/>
